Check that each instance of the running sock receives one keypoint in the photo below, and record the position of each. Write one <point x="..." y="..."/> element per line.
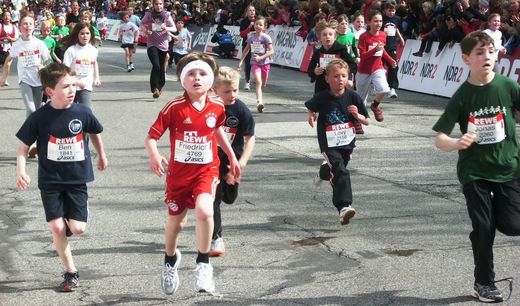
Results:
<point x="170" y="259"/>
<point x="375" y="103"/>
<point x="203" y="257"/>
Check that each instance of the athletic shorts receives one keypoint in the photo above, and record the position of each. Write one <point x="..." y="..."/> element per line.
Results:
<point x="365" y="81"/>
<point x="181" y="197"/>
<point x="129" y="46"/>
<point x="67" y="201"/>
<point x="263" y="69"/>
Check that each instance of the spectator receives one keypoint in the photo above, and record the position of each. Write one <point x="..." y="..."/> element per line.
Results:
<point x="73" y="17"/>
<point x="224" y="39"/>
<point x="452" y="35"/>
<point x="428" y="38"/>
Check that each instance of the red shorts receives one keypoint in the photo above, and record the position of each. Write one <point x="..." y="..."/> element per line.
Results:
<point x="180" y="197"/>
<point x="262" y="69"/>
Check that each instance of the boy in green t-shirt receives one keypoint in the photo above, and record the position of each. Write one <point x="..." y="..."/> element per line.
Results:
<point x="59" y="31"/>
<point x="488" y="165"/>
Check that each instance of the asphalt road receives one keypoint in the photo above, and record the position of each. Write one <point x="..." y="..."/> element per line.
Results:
<point x="408" y="244"/>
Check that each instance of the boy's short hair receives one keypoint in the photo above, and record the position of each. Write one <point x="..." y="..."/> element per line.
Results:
<point x="53" y="73"/>
<point x="179" y="19"/>
<point x="123" y="14"/>
<point x="474" y="39"/>
<point x="337" y="62"/>
<point x="342" y="18"/>
<point x="322" y="25"/>
<point x="193" y="56"/>
<point x="226" y="76"/>
<point x="389" y="5"/>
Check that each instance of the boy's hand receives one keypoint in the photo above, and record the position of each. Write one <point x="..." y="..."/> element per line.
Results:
<point x="466" y="140"/>
<point x="22" y="181"/>
<point x="353" y="110"/>
<point x="318" y="70"/>
<point x="230" y="179"/>
<point x="311" y="118"/>
<point x="239" y="66"/>
<point x="234" y="169"/>
<point x="102" y="163"/>
<point x="156" y="164"/>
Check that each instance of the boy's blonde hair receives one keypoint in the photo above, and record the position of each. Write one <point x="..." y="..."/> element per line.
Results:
<point x="226" y="76"/>
<point x="337" y="62"/>
<point x="323" y="25"/>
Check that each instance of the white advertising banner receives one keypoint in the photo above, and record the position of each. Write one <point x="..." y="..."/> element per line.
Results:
<point x="441" y="75"/>
<point x="289" y="47"/>
<point x="113" y="27"/>
<point x="237" y="39"/>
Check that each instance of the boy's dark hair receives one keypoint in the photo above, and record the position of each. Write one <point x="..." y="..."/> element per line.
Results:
<point x="123" y="14"/>
<point x="474" y="39"/>
<point x="337" y="62"/>
<point x="389" y="5"/>
<point x="53" y="73"/>
<point x="179" y="19"/>
<point x="193" y="56"/>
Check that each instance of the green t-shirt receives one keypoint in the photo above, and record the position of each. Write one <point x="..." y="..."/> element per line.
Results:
<point x="487" y="111"/>
<point x="51" y="45"/>
<point x="350" y="41"/>
<point x="64" y="31"/>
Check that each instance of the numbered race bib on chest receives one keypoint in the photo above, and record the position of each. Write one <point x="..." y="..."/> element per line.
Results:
<point x="230" y="133"/>
<point x="325" y="59"/>
<point x="340" y="134"/>
<point x="68" y="149"/>
<point x="83" y="67"/>
<point x="156" y="27"/>
<point x="390" y="30"/>
<point x="193" y="149"/>
<point x="29" y="58"/>
<point x="257" y="47"/>
<point x="488" y="129"/>
<point x="378" y="53"/>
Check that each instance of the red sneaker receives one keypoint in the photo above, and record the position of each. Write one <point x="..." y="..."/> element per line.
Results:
<point x="378" y="113"/>
<point x="358" y="127"/>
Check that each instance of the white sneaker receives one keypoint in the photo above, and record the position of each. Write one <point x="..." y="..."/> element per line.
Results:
<point x="132" y="66"/>
<point x="392" y="94"/>
<point x="247" y="86"/>
<point x="6" y="83"/>
<point x="204" y="279"/>
<point x="170" y="276"/>
<point x="345" y="214"/>
<point x="317" y="179"/>
<point x="217" y="247"/>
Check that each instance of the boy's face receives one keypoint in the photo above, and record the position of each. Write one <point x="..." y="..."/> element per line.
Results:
<point x="327" y="37"/>
<point x="337" y="78"/>
<point x="26" y="26"/>
<point x="179" y="24"/>
<point x="390" y="12"/>
<point x="45" y="30"/>
<point x="227" y="92"/>
<point x="61" y="21"/>
<point x="125" y="18"/>
<point x="343" y="27"/>
<point x="481" y="60"/>
<point x="359" y="22"/>
<point x="62" y="96"/>
<point x="197" y="82"/>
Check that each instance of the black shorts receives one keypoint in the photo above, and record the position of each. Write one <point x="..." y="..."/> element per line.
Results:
<point x="67" y="201"/>
<point x="129" y="46"/>
<point x="3" y="56"/>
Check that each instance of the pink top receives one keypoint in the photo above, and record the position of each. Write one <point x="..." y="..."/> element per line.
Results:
<point x="152" y="22"/>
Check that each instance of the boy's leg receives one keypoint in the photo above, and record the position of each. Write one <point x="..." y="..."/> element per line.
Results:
<point x="506" y="202"/>
<point x="172" y="229"/>
<point x="381" y="88"/>
<point x="392" y="79"/>
<point x="28" y="99"/>
<point x="217" y="218"/>
<point x="61" y="243"/>
<point x="340" y="177"/>
<point x="127" y="56"/>
<point x="363" y="86"/>
<point x="204" y="221"/>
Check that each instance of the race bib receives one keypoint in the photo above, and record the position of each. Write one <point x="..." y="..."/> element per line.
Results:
<point x="69" y="149"/>
<point x="230" y="133"/>
<point x="29" y="58"/>
<point x="378" y="53"/>
<point x="488" y="129"/>
<point x="390" y="30"/>
<point x="340" y="134"/>
<point x="257" y="47"/>
<point x="193" y="150"/>
<point x="156" y="27"/>
<point x="83" y="67"/>
<point x="325" y="59"/>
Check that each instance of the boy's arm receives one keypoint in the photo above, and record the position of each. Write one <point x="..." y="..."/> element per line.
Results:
<point x="311" y="117"/>
<point x="22" y="179"/>
<point x="248" y="150"/>
<point x="355" y="113"/>
<point x="399" y="36"/>
<point x="447" y="143"/>
<point x="97" y="142"/>
<point x="97" y="81"/>
<point x="233" y="162"/>
<point x="6" y="70"/>
<point x="156" y="159"/>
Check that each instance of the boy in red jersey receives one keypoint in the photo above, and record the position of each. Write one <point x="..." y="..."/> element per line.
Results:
<point x="194" y="121"/>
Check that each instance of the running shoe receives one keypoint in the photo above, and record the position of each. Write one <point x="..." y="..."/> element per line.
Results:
<point x="260" y="107"/>
<point x="70" y="281"/>
<point x="317" y="179"/>
<point x="156" y="93"/>
<point x="129" y="68"/>
<point x="358" y="127"/>
<point x="345" y="214"/>
<point x="392" y="94"/>
<point x="217" y="247"/>
<point x="132" y="66"/>
<point x="378" y="112"/>
<point x="247" y="86"/>
<point x="488" y="294"/>
<point x="170" y="276"/>
<point x="204" y="278"/>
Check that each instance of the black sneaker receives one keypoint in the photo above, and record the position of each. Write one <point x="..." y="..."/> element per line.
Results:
<point x="487" y="293"/>
<point x="70" y="282"/>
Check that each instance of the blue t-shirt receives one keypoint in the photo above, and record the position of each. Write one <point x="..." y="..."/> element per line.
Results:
<point x="63" y="153"/>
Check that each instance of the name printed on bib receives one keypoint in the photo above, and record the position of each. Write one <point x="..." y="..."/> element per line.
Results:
<point x="325" y="59"/>
<point x="193" y="149"/>
<point x="340" y="134"/>
<point x="69" y="149"/>
<point x="257" y="47"/>
<point x="29" y="58"/>
<point x="488" y="129"/>
<point x="83" y="66"/>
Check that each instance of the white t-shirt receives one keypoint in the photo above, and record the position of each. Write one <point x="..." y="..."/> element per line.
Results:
<point x="82" y="59"/>
<point x="497" y="38"/>
<point x="102" y="23"/>
<point x="30" y="54"/>
<point x="127" y="30"/>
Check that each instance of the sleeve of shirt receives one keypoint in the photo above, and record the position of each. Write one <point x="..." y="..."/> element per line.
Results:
<point x="160" y="125"/>
<point x="93" y="126"/>
<point x="28" y="132"/>
<point x="312" y="104"/>
<point x="44" y="51"/>
<point x="68" y="57"/>
<point x="247" y="122"/>
<point x="357" y="101"/>
<point x="448" y="119"/>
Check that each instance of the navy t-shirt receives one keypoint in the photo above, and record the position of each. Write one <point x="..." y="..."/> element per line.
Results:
<point x="239" y="123"/>
<point x="335" y="124"/>
<point x="63" y="153"/>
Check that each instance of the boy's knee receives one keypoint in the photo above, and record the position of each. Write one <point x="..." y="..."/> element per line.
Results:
<point x="204" y="207"/>
<point x="78" y="228"/>
<point x="175" y="225"/>
<point x="57" y="226"/>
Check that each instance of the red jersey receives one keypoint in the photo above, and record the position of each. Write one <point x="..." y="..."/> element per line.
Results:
<point x="371" y="58"/>
<point x="193" y="139"/>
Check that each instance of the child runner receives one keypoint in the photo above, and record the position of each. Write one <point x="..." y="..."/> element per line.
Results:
<point x="225" y="46"/>
<point x="59" y="31"/>
<point x="240" y="129"/>
<point x="358" y="25"/>
<point x="195" y="122"/>
<point x="347" y="38"/>
<point x="488" y="165"/>
<point x="336" y="110"/>
<point x="392" y="29"/>
<point x="8" y="35"/>
<point x="247" y="25"/>
<point x="102" y="25"/>
<point x="64" y="171"/>
<point x="81" y="57"/>
<point x="128" y="33"/>
<point x="181" y="41"/>
<point x="493" y="30"/>
<point x="261" y="47"/>
<point x="371" y="71"/>
<point x="45" y="30"/>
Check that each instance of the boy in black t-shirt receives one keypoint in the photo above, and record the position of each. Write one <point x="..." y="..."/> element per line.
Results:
<point x="392" y="26"/>
<point x="338" y="109"/>
<point x="64" y="161"/>
<point x="240" y="130"/>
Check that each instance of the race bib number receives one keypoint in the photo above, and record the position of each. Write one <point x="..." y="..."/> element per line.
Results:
<point x="29" y="58"/>
<point x="390" y="30"/>
<point x="156" y="27"/>
<point x="257" y="47"/>
<point x="83" y="67"/>
<point x="488" y="129"/>
<point x="325" y="59"/>
<point x="69" y="149"/>
<point x="193" y="152"/>
<point x="378" y="53"/>
<point x="230" y="133"/>
<point x="340" y="134"/>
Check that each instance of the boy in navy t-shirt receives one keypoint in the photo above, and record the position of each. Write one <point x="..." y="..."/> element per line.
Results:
<point x="391" y="27"/>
